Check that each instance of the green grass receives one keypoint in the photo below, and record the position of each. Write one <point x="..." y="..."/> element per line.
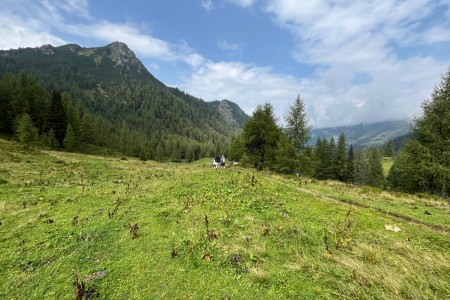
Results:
<point x="266" y="235"/>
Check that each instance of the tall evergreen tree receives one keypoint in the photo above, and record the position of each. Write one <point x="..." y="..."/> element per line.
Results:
<point x="324" y="159"/>
<point x="261" y="135"/>
<point x="297" y="128"/>
<point x="361" y="167"/>
<point x="376" y="176"/>
<point x="331" y="158"/>
<point x="389" y="148"/>
<point x="341" y="159"/>
<point x="424" y="164"/>
<point x="56" y="117"/>
<point x="350" y="171"/>
<point x="73" y="117"/>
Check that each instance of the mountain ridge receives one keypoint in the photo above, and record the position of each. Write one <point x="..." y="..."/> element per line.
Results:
<point x="113" y="84"/>
<point x="364" y="134"/>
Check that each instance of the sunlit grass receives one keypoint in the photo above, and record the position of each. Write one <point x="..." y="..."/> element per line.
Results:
<point x="204" y="234"/>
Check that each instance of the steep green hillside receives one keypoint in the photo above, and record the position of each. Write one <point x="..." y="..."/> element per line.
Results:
<point x="123" y="98"/>
<point x="127" y="229"/>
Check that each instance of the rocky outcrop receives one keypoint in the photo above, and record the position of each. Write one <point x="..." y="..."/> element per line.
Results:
<point x="124" y="57"/>
<point x="226" y="111"/>
<point x="46" y="49"/>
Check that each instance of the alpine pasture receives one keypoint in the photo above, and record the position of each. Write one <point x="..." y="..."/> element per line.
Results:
<point x="74" y="225"/>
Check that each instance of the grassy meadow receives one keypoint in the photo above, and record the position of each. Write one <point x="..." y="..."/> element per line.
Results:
<point x="122" y="228"/>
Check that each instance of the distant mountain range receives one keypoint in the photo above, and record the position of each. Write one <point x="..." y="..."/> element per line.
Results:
<point x="113" y="84"/>
<point x="364" y="134"/>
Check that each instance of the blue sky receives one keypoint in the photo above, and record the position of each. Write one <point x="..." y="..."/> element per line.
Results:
<point x="350" y="61"/>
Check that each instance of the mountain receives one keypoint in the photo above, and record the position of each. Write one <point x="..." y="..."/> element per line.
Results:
<point x="118" y="92"/>
<point x="364" y="134"/>
<point x="231" y="112"/>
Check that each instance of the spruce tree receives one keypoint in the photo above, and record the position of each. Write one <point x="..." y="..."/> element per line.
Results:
<point x="376" y="176"/>
<point x="261" y="135"/>
<point x="361" y="167"/>
<point x="350" y="170"/>
<point x="331" y="159"/>
<point x="341" y="159"/>
<point x="56" y="117"/>
<point x="73" y="117"/>
<point x="424" y="163"/>
<point x="297" y="128"/>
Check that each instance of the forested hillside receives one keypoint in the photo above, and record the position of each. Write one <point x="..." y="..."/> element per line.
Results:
<point x="110" y="100"/>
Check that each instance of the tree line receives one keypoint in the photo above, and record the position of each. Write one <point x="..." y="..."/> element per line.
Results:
<point x="422" y="165"/>
<point x="57" y="120"/>
<point x="264" y="144"/>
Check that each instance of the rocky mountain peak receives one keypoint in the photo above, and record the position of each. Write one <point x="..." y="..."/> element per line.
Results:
<point x="123" y="56"/>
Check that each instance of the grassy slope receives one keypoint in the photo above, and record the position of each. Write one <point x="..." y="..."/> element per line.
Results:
<point x="266" y="234"/>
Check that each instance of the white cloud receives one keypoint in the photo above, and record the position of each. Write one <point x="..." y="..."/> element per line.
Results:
<point x="229" y="46"/>
<point x="144" y="44"/>
<point x="16" y="32"/>
<point x="437" y="34"/>
<point x="343" y="39"/>
<point x="207" y="4"/>
<point x="360" y="76"/>
<point x="244" y="84"/>
<point x="72" y="7"/>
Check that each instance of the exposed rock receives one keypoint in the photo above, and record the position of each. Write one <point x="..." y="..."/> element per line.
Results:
<point x="46" y="49"/>
<point x="227" y="112"/>
<point x="124" y="57"/>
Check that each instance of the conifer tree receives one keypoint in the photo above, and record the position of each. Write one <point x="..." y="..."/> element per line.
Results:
<point x="376" y="176"/>
<point x="341" y="159"/>
<point x="361" y="167"/>
<point x="261" y="134"/>
<point x="86" y="129"/>
<point x="56" y="117"/>
<point x="389" y="148"/>
<point x="26" y="131"/>
<point x="73" y="117"/>
<point x="349" y="176"/>
<point x="70" y="141"/>
<point x="330" y="169"/>
<point x="297" y="129"/>
<point x="286" y="160"/>
<point x="51" y="140"/>
<point x="424" y="163"/>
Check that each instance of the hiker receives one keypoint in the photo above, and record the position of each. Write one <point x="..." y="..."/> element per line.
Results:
<point x="222" y="159"/>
